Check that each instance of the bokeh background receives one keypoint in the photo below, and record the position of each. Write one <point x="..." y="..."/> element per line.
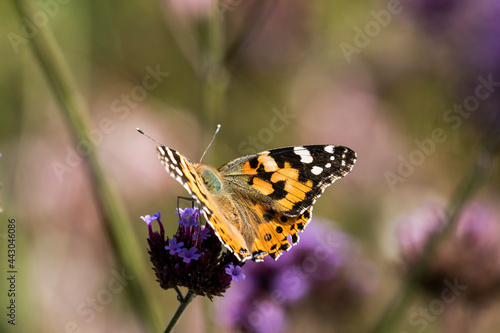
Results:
<point x="411" y="86"/>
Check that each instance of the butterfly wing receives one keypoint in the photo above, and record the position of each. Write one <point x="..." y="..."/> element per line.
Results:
<point x="268" y="232"/>
<point x="289" y="180"/>
<point x="183" y="170"/>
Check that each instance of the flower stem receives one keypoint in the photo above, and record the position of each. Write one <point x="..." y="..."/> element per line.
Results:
<point x="183" y="303"/>
<point x="56" y="70"/>
<point x="472" y="181"/>
<point x="216" y="77"/>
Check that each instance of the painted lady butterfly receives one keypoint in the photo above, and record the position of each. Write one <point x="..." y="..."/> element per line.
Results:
<point x="256" y="203"/>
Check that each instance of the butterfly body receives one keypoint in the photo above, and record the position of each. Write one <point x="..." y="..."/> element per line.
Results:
<point x="257" y="203"/>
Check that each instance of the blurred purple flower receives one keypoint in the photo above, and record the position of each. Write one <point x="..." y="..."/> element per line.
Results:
<point x="470" y="254"/>
<point x="412" y="233"/>
<point x="262" y="303"/>
<point x="199" y="264"/>
<point x="469" y="31"/>
<point x="433" y="15"/>
<point x="267" y="317"/>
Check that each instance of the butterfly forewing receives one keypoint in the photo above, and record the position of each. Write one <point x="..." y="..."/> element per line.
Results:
<point x="183" y="170"/>
<point x="289" y="180"/>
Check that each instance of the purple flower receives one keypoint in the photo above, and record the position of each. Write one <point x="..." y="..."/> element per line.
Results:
<point x="235" y="272"/>
<point x="187" y="255"/>
<point x="148" y="219"/>
<point x="173" y="246"/>
<point x="188" y="216"/>
<point x="204" y="234"/>
<point x="186" y="260"/>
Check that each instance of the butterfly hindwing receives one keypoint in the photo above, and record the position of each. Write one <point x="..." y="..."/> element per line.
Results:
<point x="275" y="231"/>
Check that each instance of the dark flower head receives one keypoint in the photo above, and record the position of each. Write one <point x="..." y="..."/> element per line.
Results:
<point x="193" y="258"/>
<point x="469" y="255"/>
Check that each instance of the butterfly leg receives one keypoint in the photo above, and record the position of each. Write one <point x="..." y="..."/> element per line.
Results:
<point x="187" y="199"/>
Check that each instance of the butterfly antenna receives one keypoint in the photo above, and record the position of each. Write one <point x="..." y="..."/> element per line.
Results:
<point x="147" y="136"/>
<point x="213" y="138"/>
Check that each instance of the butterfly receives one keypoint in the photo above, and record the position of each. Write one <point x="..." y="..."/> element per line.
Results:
<point x="257" y="203"/>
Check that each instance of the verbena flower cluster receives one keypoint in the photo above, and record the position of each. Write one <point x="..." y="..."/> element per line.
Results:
<point x="193" y="258"/>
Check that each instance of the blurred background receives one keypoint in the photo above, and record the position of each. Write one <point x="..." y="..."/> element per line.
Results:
<point x="411" y="86"/>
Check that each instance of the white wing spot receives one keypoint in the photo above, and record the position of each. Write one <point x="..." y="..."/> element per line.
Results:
<point x="332" y="158"/>
<point x="316" y="170"/>
<point x="343" y="162"/>
<point x="172" y="158"/>
<point x="305" y="155"/>
<point x="329" y="149"/>
<point x="328" y="165"/>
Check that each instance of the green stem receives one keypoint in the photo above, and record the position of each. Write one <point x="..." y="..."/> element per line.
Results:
<point x="116" y="222"/>
<point x="216" y="78"/>
<point x="410" y="287"/>
<point x="183" y="303"/>
<point x="179" y="292"/>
